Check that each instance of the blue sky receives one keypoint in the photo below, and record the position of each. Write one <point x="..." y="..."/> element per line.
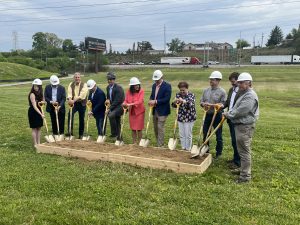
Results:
<point x="122" y="22"/>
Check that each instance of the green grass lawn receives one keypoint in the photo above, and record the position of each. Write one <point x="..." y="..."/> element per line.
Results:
<point x="47" y="189"/>
<point x="13" y="71"/>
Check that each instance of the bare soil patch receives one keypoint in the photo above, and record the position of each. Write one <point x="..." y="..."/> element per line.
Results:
<point x="132" y="150"/>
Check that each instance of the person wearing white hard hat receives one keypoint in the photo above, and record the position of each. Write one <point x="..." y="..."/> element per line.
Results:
<point x="134" y="101"/>
<point x="97" y="97"/>
<point x="244" y="115"/>
<point x="213" y="98"/>
<point x="77" y="95"/>
<point x="233" y="95"/>
<point x="35" y="115"/>
<point x="115" y="96"/>
<point x="56" y="93"/>
<point x="160" y="101"/>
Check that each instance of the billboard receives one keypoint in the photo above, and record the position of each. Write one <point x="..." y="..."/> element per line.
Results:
<point x="95" y="44"/>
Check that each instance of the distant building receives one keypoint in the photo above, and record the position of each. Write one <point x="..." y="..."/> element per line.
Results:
<point x="211" y="46"/>
<point x="155" y="52"/>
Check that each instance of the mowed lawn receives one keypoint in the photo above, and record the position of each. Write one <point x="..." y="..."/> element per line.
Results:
<point x="46" y="189"/>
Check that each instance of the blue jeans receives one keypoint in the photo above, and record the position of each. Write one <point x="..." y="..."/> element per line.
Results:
<point x="219" y="139"/>
<point x="99" y="125"/>
<point x="236" y="156"/>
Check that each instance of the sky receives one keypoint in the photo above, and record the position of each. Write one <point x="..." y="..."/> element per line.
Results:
<point x="123" y="22"/>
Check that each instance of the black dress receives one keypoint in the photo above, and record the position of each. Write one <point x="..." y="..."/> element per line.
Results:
<point x="35" y="119"/>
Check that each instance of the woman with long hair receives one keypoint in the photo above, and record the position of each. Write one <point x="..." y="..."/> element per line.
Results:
<point x="35" y="115"/>
<point x="134" y="101"/>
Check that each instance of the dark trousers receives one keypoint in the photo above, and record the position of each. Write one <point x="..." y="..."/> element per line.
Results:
<point x="219" y="139"/>
<point x="61" y="122"/>
<point x="99" y="125"/>
<point x="236" y="156"/>
<point x="78" y="107"/>
<point x="115" y="123"/>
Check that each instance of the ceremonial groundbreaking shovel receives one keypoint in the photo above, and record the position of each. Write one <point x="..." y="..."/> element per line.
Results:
<point x="49" y="138"/>
<point x="203" y="150"/>
<point x="196" y="148"/>
<point x="173" y="141"/>
<point x="58" y="137"/>
<point x="86" y="137"/>
<point x="102" y="138"/>
<point x="144" y="142"/>
<point x="70" y="137"/>
<point x="120" y="142"/>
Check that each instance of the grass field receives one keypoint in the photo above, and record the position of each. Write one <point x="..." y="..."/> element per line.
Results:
<point x="13" y="71"/>
<point x="47" y="189"/>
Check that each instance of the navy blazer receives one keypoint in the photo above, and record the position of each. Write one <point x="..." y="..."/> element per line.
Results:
<point x="117" y="100"/>
<point x="163" y="99"/>
<point x="61" y="97"/>
<point x="98" y="103"/>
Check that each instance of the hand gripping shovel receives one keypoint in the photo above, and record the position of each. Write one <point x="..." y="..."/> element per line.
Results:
<point x="58" y="137"/>
<point x="196" y="148"/>
<point x="102" y="138"/>
<point x="70" y="137"/>
<point x="144" y="142"/>
<point x="86" y="137"/>
<point x="173" y="141"/>
<point x="120" y="141"/>
<point x="49" y="138"/>
<point x="203" y="150"/>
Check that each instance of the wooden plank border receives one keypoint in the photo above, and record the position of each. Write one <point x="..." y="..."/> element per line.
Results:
<point x="178" y="167"/>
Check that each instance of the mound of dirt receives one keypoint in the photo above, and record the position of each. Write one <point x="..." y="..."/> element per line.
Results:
<point x="132" y="150"/>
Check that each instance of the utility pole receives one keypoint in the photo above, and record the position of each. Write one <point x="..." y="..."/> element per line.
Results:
<point x="262" y="40"/>
<point x="15" y="40"/>
<point x="204" y="54"/>
<point x="165" y="47"/>
<point x="254" y="41"/>
<point x="240" y="55"/>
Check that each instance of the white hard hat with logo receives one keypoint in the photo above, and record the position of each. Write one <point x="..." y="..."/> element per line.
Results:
<point x="244" y="77"/>
<point x="157" y="75"/>
<point x="54" y="80"/>
<point x="134" y="81"/>
<point x="90" y="84"/>
<point x="37" y="82"/>
<point x="216" y="75"/>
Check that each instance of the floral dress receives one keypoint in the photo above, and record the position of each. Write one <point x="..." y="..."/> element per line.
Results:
<point x="187" y="111"/>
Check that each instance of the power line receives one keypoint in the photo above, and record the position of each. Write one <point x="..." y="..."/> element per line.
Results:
<point x="147" y="14"/>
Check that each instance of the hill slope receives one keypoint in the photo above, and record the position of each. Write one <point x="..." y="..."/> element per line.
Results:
<point x="13" y="71"/>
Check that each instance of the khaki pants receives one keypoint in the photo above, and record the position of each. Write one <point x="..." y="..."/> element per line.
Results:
<point x="244" y="134"/>
<point x="159" y="128"/>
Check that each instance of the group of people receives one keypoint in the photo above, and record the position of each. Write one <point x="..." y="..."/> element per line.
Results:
<point x="242" y="113"/>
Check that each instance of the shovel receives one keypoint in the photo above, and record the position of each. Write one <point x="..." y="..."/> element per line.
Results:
<point x="86" y="137"/>
<point x="58" y="137"/>
<point x="120" y="142"/>
<point x="144" y="142"/>
<point x="196" y="148"/>
<point x="203" y="148"/>
<point x="173" y="141"/>
<point x="102" y="138"/>
<point x="70" y="137"/>
<point x="49" y="138"/>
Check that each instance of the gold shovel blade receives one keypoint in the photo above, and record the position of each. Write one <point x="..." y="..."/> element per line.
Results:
<point x="119" y="143"/>
<point x="172" y="143"/>
<point x="49" y="138"/>
<point x="86" y="138"/>
<point x="195" y="150"/>
<point x="144" y="143"/>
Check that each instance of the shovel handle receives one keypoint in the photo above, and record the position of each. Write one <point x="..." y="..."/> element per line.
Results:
<point x="215" y="130"/>
<point x="148" y="122"/>
<point x="89" y="105"/>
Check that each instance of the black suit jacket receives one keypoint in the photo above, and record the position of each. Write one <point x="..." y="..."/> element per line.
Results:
<point x="61" y="97"/>
<point x="227" y="103"/>
<point x="98" y="107"/>
<point x="117" y="98"/>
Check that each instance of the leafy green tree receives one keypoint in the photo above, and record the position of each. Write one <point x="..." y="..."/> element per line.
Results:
<point x="176" y="45"/>
<point x="39" y="41"/>
<point x="68" y="45"/>
<point x="276" y="37"/>
<point x="143" y="46"/>
<point x="242" y="43"/>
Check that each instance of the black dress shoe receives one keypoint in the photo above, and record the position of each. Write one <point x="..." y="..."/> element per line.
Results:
<point x="233" y="166"/>
<point x="240" y="181"/>
<point x="80" y="137"/>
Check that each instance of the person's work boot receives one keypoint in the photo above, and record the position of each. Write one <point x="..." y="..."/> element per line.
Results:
<point x="241" y="180"/>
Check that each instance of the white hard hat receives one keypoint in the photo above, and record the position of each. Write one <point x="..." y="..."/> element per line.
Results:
<point x="54" y="80"/>
<point x="90" y="84"/>
<point x="134" y="81"/>
<point x="216" y="75"/>
<point x="244" y="76"/>
<point x="157" y="75"/>
<point x="37" y="82"/>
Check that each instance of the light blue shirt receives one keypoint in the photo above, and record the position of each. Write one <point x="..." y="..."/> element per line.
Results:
<point x="54" y="94"/>
<point x="110" y="91"/>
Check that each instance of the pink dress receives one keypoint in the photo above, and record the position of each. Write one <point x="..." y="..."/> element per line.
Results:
<point x="137" y="110"/>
